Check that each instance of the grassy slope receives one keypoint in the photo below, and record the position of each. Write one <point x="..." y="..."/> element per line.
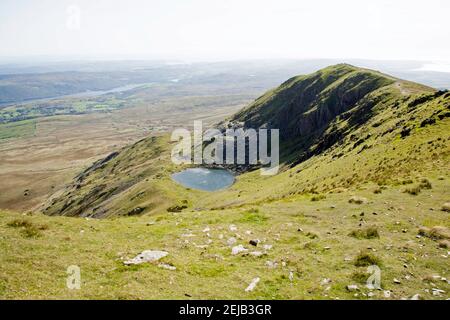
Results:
<point x="34" y="266"/>
<point x="371" y="157"/>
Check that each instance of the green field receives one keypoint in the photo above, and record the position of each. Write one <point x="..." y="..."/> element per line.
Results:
<point x="20" y="129"/>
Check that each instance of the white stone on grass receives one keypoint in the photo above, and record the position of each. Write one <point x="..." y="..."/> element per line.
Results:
<point x="252" y="285"/>
<point x="238" y="249"/>
<point x="231" y="241"/>
<point x="147" y="256"/>
<point x="167" y="266"/>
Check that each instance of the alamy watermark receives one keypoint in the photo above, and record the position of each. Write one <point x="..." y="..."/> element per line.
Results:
<point x="374" y="281"/>
<point x="73" y="280"/>
<point x="73" y="21"/>
<point x="232" y="146"/>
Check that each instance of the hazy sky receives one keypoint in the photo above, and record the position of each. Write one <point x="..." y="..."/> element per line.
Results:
<point x="227" y="29"/>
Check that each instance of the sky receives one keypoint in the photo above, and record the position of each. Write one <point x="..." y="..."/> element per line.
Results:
<point x="226" y="29"/>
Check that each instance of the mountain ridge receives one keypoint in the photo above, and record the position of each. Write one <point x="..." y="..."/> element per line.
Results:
<point x="329" y="121"/>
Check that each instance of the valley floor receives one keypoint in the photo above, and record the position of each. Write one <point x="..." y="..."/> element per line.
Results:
<point x="34" y="165"/>
<point x="313" y="255"/>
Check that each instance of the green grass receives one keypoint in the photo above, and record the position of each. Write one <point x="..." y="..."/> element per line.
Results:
<point x="365" y="259"/>
<point x="205" y="267"/>
<point x="20" y="129"/>
<point x="365" y="233"/>
<point x="28" y="228"/>
<point x="309" y="213"/>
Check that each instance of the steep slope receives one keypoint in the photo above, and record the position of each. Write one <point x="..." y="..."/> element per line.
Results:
<point x="322" y="107"/>
<point x="341" y="127"/>
<point x="97" y="190"/>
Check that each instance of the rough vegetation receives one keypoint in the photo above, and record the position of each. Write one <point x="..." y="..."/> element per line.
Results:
<point x="308" y="232"/>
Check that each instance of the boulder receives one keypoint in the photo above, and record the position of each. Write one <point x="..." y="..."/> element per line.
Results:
<point x="147" y="256"/>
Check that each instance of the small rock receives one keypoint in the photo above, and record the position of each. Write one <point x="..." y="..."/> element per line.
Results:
<point x="352" y="287"/>
<point x="188" y="235"/>
<point x="147" y="256"/>
<point x="357" y="200"/>
<point x="291" y="276"/>
<point x="416" y="297"/>
<point x="271" y="265"/>
<point x="437" y="292"/>
<point x="446" y="207"/>
<point x="387" y="293"/>
<point x="167" y="266"/>
<point x="238" y="249"/>
<point x="231" y="241"/>
<point x="248" y="232"/>
<point x="207" y="229"/>
<point x="444" y="244"/>
<point x="252" y="285"/>
<point x="256" y="253"/>
<point x="325" y="281"/>
<point x="267" y="247"/>
<point x="396" y="281"/>
<point x="232" y="228"/>
<point x="254" y="242"/>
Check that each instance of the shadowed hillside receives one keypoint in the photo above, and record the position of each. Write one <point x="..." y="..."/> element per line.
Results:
<point x="315" y="111"/>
